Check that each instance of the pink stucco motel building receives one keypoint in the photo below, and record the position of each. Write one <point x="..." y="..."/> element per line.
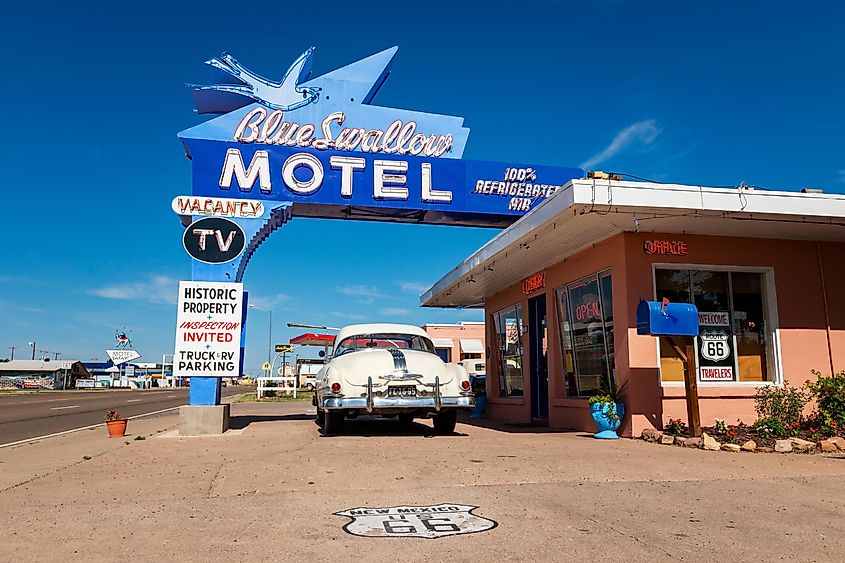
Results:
<point x="560" y="286"/>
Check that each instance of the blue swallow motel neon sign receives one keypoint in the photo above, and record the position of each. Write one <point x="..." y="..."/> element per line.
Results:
<point x="322" y="145"/>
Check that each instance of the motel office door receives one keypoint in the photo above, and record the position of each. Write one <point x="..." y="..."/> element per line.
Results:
<point x="538" y="345"/>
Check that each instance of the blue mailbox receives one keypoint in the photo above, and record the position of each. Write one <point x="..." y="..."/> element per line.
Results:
<point x="670" y="319"/>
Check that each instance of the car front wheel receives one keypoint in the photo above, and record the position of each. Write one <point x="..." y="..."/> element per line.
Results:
<point x="444" y="423"/>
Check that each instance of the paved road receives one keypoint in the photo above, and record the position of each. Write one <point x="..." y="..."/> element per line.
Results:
<point x="29" y="415"/>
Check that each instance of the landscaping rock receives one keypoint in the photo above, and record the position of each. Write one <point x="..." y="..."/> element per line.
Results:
<point x="679" y="440"/>
<point x="828" y="446"/>
<point x="783" y="446"/>
<point x="651" y="435"/>
<point x="749" y="446"/>
<point x="731" y="448"/>
<point x="710" y="443"/>
<point x="692" y="443"/>
<point x="765" y="450"/>
<point x="839" y="441"/>
<point x="668" y="440"/>
<point x="800" y="445"/>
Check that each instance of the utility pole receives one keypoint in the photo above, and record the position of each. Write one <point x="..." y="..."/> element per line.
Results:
<point x="12" y="348"/>
<point x="32" y="344"/>
<point x="56" y="355"/>
<point x="44" y="354"/>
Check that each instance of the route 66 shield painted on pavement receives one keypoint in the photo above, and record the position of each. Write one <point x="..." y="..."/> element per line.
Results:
<point x="430" y="522"/>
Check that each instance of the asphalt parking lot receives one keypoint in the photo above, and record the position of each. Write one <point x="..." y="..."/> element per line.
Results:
<point x="270" y="490"/>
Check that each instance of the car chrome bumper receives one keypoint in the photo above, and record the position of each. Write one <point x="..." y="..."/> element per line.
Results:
<point x="331" y="403"/>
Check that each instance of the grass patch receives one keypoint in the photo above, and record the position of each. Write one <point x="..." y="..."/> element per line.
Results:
<point x="280" y="398"/>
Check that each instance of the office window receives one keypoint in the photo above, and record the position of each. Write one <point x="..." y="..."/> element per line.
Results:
<point x="585" y="315"/>
<point x="509" y="330"/>
<point x="733" y="337"/>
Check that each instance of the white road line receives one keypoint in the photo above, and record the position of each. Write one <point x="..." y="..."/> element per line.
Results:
<point x="66" y="407"/>
<point x="133" y="400"/>
<point x="24" y="441"/>
<point x="171" y="396"/>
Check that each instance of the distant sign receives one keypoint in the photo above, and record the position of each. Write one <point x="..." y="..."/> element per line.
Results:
<point x="280" y="348"/>
<point x="84" y="383"/>
<point x="208" y="329"/>
<point x="266" y="366"/>
<point x="122" y="356"/>
<point x="214" y="240"/>
<point x="129" y="371"/>
<point x="217" y="206"/>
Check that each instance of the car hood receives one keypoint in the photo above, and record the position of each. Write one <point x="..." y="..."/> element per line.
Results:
<point x="385" y="364"/>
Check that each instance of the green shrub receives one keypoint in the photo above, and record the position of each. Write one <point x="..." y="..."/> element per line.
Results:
<point x="829" y="392"/>
<point x="770" y="426"/>
<point x="784" y="404"/>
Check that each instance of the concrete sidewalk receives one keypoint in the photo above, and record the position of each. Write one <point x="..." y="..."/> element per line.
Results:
<point x="268" y="491"/>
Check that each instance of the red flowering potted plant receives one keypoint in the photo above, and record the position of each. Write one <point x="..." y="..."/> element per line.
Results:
<point x="115" y="423"/>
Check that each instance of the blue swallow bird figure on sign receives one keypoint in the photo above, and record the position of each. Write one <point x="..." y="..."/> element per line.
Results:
<point x="285" y="95"/>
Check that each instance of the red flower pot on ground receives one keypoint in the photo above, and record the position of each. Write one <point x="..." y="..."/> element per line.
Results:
<point x="115" y="424"/>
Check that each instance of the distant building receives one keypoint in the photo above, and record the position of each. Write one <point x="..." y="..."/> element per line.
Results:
<point x="455" y="342"/>
<point x="41" y="374"/>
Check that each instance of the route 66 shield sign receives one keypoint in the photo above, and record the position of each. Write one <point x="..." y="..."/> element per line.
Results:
<point x="429" y="522"/>
<point x="715" y="346"/>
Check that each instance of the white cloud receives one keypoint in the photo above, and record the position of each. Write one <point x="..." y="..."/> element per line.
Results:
<point x="414" y="287"/>
<point x="350" y="316"/>
<point x="642" y="132"/>
<point x="156" y="289"/>
<point x="269" y="302"/>
<point x="361" y="290"/>
<point x="367" y="293"/>
<point x="395" y="312"/>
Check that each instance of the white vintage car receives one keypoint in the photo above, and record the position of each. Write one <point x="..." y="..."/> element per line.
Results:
<point x="389" y="370"/>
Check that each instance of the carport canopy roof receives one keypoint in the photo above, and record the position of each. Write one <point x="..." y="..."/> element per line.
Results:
<point x="586" y="212"/>
<point x="312" y="339"/>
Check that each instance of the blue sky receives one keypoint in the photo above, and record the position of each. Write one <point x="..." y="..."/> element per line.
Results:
<point x="93" y="95"/>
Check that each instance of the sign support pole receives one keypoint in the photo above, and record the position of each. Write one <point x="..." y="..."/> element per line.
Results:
<point x="690" y="386"/>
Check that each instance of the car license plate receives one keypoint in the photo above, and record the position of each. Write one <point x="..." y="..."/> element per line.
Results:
<point x="402" y="391"/>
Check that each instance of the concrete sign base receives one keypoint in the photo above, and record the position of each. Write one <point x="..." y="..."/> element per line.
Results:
<point x="203" y="420"/>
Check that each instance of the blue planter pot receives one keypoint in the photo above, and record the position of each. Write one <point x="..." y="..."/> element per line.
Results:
<point x="480" y="408"/>
<point x="607" y="426"/>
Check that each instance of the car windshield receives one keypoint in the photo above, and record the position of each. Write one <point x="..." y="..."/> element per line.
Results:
<point x="384" y="340"/>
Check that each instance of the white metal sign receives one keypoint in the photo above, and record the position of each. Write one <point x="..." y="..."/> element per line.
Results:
<point x="216" y="206"/>
<point x="715" y="347"/>
<point x="429" y="522"/>
<point x="122" y="356"/>
<point x="208" y="329"/>
<point x="717" y="318"/>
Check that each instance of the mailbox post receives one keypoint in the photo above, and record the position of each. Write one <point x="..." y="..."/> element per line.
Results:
<point x="665" y="319"/>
